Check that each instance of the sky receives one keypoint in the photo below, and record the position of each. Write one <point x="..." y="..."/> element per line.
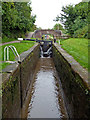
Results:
<point x="47" y="10"/>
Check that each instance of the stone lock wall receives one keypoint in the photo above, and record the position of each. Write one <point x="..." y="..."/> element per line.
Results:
<point x="27" y="70"/>
<point x="16" y="80"/>
<point x="11" y="102"/>
<point x="75" y="83"/>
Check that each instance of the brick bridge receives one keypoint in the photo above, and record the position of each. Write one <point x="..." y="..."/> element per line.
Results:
<point x="39" y="33"/>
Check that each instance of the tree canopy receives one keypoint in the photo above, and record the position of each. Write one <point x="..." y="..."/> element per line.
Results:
<point x="58" y="26"/>
<point x="17" y="18"/>
<point x="75" y="19"/>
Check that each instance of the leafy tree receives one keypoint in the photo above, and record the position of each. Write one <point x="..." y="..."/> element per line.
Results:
<point x="68" y="18"/>
<point x="58" y="27"/>
<point x="17" y="18"/>
<point x="81" y="33"/>
<point x="75" y="18"/>
<point x="9" y="17"/>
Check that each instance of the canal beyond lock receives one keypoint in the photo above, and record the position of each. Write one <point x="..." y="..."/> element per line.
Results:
<point x="46" y="95"/>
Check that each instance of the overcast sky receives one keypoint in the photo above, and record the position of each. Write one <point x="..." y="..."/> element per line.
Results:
<point x="47" y="10"/>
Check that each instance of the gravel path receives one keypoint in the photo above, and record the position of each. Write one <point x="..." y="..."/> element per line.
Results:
<point x="9" y="42"/>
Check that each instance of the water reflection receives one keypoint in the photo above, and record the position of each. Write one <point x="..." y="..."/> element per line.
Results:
<point x="46" y="99"/>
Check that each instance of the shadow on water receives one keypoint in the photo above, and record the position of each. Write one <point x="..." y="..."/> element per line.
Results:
<point x="46" y="96"/>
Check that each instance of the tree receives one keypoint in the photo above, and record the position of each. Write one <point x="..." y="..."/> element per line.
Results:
<point x="9" y="17"/>
<point x="58" y="26"/>
<point x="74" y="18"/>
<point x="17" y="18"/>
<point x="68" y="18"/>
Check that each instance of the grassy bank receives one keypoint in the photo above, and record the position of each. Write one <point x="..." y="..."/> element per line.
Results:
<point x="78" y="48"/>
<point x="21" y="47"/>
<point x="5" y="39"/>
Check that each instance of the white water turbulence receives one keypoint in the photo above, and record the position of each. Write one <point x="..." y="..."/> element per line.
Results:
<point x="47" y="53"/>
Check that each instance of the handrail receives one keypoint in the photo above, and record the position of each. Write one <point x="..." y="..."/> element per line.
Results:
<point x="13" y="50"/>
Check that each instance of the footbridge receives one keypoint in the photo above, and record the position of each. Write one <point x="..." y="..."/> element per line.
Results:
<point x="39" y="33"/>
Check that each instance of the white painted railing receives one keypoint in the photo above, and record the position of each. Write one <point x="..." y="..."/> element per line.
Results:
<point x="20" y="39"/>
<point x="6" y="52"/>
<point x="59" y="42"/>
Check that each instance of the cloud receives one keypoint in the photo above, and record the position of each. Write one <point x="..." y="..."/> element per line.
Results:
<point x="47" y="10"/>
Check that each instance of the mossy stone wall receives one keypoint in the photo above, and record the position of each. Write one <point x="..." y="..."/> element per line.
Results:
<point x="75" y="83"/>
<point x="27" y="69"/>
<point x="16" y="80"/>
<point x="11" y="102"/>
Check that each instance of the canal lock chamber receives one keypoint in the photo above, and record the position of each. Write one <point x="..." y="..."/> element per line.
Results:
<point x="46" y="96"/>
<point x="69" y="94"/>
<point x="45" y="86"/>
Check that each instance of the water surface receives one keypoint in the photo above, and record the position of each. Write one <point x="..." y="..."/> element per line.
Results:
<point x="46" y="96"/>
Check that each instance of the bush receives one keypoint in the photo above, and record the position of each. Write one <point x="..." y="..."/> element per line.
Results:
<point x="81" y="33"/>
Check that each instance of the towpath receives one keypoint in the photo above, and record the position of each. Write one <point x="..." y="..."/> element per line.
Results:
<point x="16" y="41"/>
<point x="9" y="42"/>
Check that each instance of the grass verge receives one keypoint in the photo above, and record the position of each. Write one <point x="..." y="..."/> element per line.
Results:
<point x="78" y="48"/>
<point x="5" y="39"/>
<point x="21" y="47"/>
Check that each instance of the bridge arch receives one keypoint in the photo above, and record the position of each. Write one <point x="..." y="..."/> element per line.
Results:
<point x="39" y="33"/>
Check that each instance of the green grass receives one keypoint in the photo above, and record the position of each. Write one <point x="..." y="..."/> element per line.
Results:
<point x="21" y="47"/>
<point x="27" y="41"/>
<point x="5" y="39"/>
<point x="78" y="48"/>
<point x="33" y="38"/>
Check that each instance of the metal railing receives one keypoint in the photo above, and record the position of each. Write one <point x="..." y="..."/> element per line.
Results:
<point x="6" y="52"/>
